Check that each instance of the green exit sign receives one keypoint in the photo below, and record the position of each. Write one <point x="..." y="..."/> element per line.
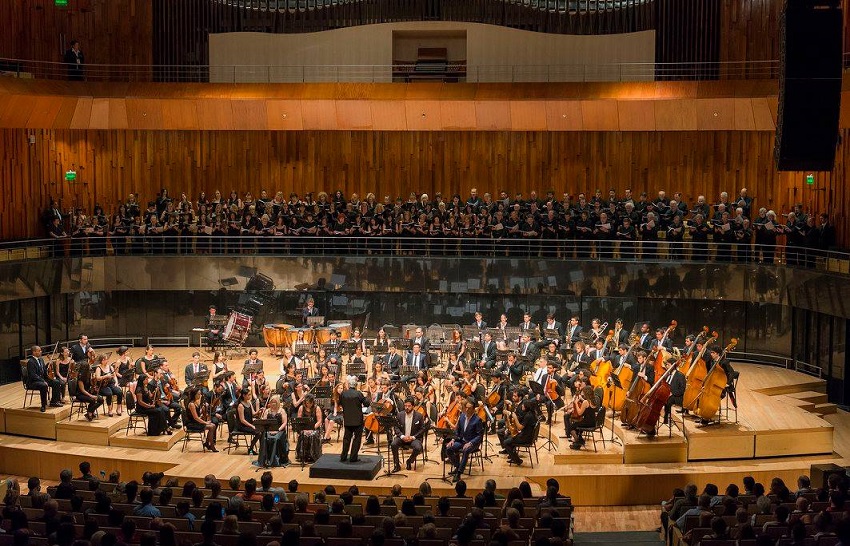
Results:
<point x="810" y="179"/>
<point x="71" y="176"/>
<point x="61" y="3"/>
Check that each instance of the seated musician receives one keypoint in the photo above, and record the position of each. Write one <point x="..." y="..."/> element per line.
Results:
<point x="515" y="368"/>
<point x="553" y="331"/>
<point x="357" y="341"/>
<point x="408" y="431"/>
<point x="126" y="371"/>
<point x="392" y="360"/>
<point x="37" y="380"/>
<point x="214" y="336"/>
<point x="488" y="352"/>
<point x="469" y="434"/>
<point x="479" y="321"/>
<point x="334" y="417"/>
<point x="245" y="417"/>
<point x="277" y="441"/>
<point x="162" y="384"/>
<point x="196" y="421"/>
<point x="469" y="384"/>
<point x="86" y="391"/>
<point x="643" y="368"/>
<point x="523" y="430"/>
<point x="252" y="363"/>
<point x="456" y="366"/>
<point x="574" y="330"/>
<point x="288" y="360"/>
<point x="527" y="347"/>
<point x="424" y="405"/>
<point x="677" y="383"/>
<point x="582" y="414"/>
<point x="105" y="376"/>
<point x="167" y="378"/>
<point x="311" y="411"/>
<point x="147" y="403"/>
<point x="219" y="366"/>
<point x="193" y="369"/>
<point x="63" y="369"/>
<point x="458" y="344"/>
<point x="552" y="355"/>
<point x="144" y="364"/>
<point x="718" y="359"/>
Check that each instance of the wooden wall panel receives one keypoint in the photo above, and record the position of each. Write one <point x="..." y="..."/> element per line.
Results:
<point x="110" y="31"/>
<point x="111" y="164"/>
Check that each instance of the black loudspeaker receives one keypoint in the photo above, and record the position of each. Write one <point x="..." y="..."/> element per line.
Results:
<point x="809" y="85"/>
<point x="819" y="474"/>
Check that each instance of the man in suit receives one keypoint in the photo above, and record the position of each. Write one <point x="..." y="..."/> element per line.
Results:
<point x="661" y="341"/>
<point x="528" y="327"/>
<point x="253" y="363"/>
<point x="37" y="380"/>
<point x="408" y="431"/>
<point x="423" y="342"/>
<point x="214" y="323"/>
<point x="525" y="432"/>
<point x="574" y="330"/>
<point x="527" y="347"/>
<point x="677" y="384"/>
<point x="623" y="336"/>
<point x="352" y="402"/>
<point x="469" y="433"/>
<point x="417" y="358"/>
<point x="553" y="330"/>
<point x="644" y="369"/>
<point x="193" y="369"/>
<point x="392" y="361"/>
<point x="488" y="351"/>
<point x="80" y="350"/>
<point x="515" y="368"/>
<point x="479" y="321"/>
<point x="75" y="60"/>
<point x="309" y="311"/>
<point x="646" y="338"/>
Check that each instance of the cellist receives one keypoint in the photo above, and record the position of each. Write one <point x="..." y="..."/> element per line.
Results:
<point x="677" y="384"/>
<point x="719" y="359"/>
<point x="643" y="369"/>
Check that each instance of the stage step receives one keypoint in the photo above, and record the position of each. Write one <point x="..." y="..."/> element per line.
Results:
<point x="587" y="456"/>
<point x="141" y="441"/>
<point x="669" y="446"/>
<point x="31" y="422"/>
<point x="810" y="396"/>
<point x="797" y="402"/>
<point x="95" y="433"/>
<point x="825" y="409"/>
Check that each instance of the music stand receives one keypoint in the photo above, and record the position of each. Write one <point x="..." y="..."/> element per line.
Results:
<point x="388" y="423"/>
<point x="322" y="392"/>
<point x="299" y="425"/>
<point x="263" y="426"/>
<point x="312" y="322"/>
<point x="356" y="368"/>
<point x="443" y="434"/>
<point x="403" y="344"/>
<point x="512" y="333"/>
<point x="405" y="372"/>
<point x="537" y="390"/>
<point x="615" y="381"/>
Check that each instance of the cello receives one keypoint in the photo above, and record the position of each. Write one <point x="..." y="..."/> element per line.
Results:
<point x="385" y="407"/>
<point x="637" y="390"/>
<point x="651" y="404"/>
<point x="696" y="375"/>
<point x="688" y="357"/>
<point x="708" y="400"/>
<point x="659" y="354"/>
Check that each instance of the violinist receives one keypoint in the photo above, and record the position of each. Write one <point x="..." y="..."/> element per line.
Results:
<point x="542" y="375"/>
<point x="677" y="384"/>
<point x="144" y="364"/>
<point x="126" y="372"/>
<point x="63" y="370"/>
<point x="423" y="382"/>
<point x="277" y="442"/>
<point x="424" y="406"/>
<point x="80" y="350"/>
<point x="525" y="430"/>
<point x="147" y="404"/>
<point x="105" y="376"/>
<point x="582" y="414"/>
<point x="252" y="363"/>
<point x="456" y="366"/>
<point x="167" y="397"/>
<point x="199" y="418"/>
<point x="86" y="392"/>
<point x="37" y="380"/>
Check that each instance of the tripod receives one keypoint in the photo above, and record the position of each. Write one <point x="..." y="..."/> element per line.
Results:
<point x="388" y="424"/>
<point x="615" y="382"/>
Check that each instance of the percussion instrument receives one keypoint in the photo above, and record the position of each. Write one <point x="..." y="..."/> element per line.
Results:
<point x="236" y="329"/>
<point x="292" y="336"/>
<point x="343" y="329"/>
<point x="323" y="335"/>
<point x="275" y="336"/>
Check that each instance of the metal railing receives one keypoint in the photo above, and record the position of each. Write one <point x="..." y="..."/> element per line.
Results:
<point x="393" y="246"/>
<point x="787" y="362"/>
<point x="577" y="6"/>
<point x="95" y="342"/>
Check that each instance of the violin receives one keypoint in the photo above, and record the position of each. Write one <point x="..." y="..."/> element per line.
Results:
<point x="577" y="401"/>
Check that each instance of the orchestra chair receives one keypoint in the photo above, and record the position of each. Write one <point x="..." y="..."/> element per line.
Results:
<point x="235" y="437"/>
<point x="406" y="447"/>
<point x="136" y="420"/>
<point x="190" y="435"/>
<point x="526" y="447"/>
<point x="29" y="393"/>
<point x="599" y="425"/>
<point x="78" y="408"/>
<point x="474" y="456"/>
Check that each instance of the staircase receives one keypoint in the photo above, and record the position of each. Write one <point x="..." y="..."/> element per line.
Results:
<point x="632" y="538"/>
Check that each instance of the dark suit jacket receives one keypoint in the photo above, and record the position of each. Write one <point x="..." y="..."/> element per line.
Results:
<point x="648" y="341"/>
<point x="392" y="362"/>
<point x="78" y="353"/>
<point x="575" y="335"/>
<point x="228" y="398"/>
<point x="189" y="372"/>
<point x="650" y="372"/>
<point x="424" y="344"/>
<point x="417" y="429"/>
<point x="531" y="329"/>
<point x="481" y="326"/>
<point x="36" y="371"/>
<point x="528" y="349"/>
<point x="424" y="360"/>
<point x="549" y="333"/>
<point x="668" y="345"/>
<point x="677" y="386"/>
<point x="474" y="432"/>
<point x="75" y="72"/>
<point x="488" y="354"/>
<point x="306" y="312"/>
<point x="352" y="402"/>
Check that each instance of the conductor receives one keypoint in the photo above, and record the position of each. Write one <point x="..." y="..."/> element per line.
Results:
<point x="352" y="402"/>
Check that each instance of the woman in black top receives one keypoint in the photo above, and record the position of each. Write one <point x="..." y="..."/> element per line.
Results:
<point x="146" y="404"/>
<point x="85" y="391"/>
<point x="245" y="417"/>
<point x="195" y="422"/>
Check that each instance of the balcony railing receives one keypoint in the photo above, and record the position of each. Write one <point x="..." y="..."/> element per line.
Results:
<point x="661" y="251"/>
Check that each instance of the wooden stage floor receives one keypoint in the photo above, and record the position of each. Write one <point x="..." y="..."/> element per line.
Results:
<point x="784" y="426"/>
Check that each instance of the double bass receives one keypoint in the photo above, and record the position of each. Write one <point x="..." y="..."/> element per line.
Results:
<point x="614" y="397"/>
<point x="695" y="375"/>
<point x="659" y="354"/>
<point x="708" y="400"/>
<point x="371" y="423"/>
<point x="631" y="406"/>
<point x="688" y="356"/>
<point x="601" y="367"/>
<point x="650" y="405"/>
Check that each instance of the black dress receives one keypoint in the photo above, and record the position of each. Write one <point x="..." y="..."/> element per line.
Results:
<point x="157" y="415"/>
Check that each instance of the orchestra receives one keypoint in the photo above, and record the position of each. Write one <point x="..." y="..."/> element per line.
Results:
<point x="467" y="384"/>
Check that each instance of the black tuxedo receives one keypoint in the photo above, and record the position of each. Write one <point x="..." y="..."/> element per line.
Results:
<point x="424" y="344"/>
<point x="392" y="362"/>
<point x="417" y="430"/>
<point x="528" y="349"/>
<point x="75" y="62"/>
<point x="555" y="331"/>
<point x="573" y="333"/>
<point x="308" y="312"/>
<point x="647" y="340"/>
<point x="677" y="383"/>
<point x="480" y="325"/>
<point x="352" y="402"/>
<point x="649" y="371"/>
<point x="530" y="328"/>
<point x="189" y="372"/>
<point x="488" y="353"/>
<point x="37" y="380"/>
<point x="80" y="353"/>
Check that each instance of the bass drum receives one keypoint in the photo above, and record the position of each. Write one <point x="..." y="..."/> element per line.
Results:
<point x="323" y="335"/>
<point x="343" y="329"/>
<point x="298" y="335"/>
<point x="237" y="327"/>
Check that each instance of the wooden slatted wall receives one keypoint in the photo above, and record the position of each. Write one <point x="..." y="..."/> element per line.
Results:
<point x="111" y="164"/>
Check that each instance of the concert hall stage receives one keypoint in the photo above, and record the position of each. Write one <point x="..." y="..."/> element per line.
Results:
<point x="784" y="425"/>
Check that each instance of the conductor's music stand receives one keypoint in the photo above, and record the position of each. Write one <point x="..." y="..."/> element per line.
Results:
<point x="388" y="423"/>
<point x="615" y="381"/>
<point x="537" y="390"/>
<point x="263" y="426"/>
<point x="299" y="425"/>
